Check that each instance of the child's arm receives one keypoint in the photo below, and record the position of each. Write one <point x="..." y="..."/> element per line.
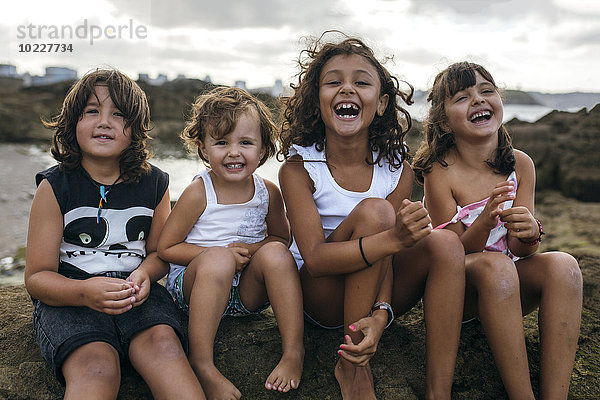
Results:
<point x="372" y="326"/>
<point x="190" y="205"/>
<point x="442" y="207"/>
<point x="519" y="219"/>
<point x="152" y="268"/>
<point x="278" y="228"/>
<point x="331" y="258"/>
<point x="42" y="280"/>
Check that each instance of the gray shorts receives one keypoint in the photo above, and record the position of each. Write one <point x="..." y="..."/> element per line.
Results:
<point x="235" y="307"/>
<point x="61" y="330"/>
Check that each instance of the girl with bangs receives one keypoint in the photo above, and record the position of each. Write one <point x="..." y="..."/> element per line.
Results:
<point x="467" y="156"/>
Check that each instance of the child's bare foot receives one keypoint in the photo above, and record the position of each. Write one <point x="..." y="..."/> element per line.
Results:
<point x="215" y="385"/>
<point x="356" y="383"/>
<point x="286" y="375"/>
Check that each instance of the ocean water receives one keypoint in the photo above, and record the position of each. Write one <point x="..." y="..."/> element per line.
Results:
<point x="528" y="113"/>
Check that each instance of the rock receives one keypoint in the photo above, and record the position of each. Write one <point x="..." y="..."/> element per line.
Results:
<point x="248" y="348"/>
<point x="566" y="151"/>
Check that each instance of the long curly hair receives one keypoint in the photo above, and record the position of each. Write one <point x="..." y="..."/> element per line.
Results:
<point x="128" y="97"/>
<point x="216" y="113"/>
<point x="302" y="123"/>
<point x="437" y="142"/>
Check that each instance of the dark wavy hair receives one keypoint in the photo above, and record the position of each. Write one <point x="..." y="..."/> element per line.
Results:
<point x="217" y="112"/>
<point x="128" y="97"/>
<point x="302" y="123"/>
<point x="436" y="142"/>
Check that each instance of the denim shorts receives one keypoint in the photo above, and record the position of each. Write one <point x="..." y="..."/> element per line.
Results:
<point x="235" y="307"/>
<point x="61" y="330"/>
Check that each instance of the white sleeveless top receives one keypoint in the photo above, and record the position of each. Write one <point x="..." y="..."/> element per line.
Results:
<point x="222" y="224"/>
<point x="333" y="202"/>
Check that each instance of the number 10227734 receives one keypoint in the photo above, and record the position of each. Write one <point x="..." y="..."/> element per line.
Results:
<point x="45" y="47"/>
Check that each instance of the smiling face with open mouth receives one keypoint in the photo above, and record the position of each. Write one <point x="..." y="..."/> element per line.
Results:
<point x="101" y="129"/>
<point x="349" y="95"/>
<point x="475" y="110"/>
<point x="235" y="156"/>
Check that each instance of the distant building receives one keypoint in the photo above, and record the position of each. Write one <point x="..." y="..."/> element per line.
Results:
<point x="159" y="80"/>
<point x="9" y="78"/>
<point x="54" y="75"/>
<point x="8" y="71"/>
<point x="276" y="90"/>
<point x="240" y="84"/>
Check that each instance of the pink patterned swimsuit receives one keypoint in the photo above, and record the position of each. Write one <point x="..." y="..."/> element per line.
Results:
<point x="497" y="241"/>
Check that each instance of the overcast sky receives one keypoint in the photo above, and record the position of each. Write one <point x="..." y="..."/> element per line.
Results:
<point x="536" y="45"/>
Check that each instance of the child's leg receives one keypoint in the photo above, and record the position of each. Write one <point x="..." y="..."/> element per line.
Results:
<point x="157" y="355"/>
<point x="92" y="371"/>
<point x="434" y="269"/>
<point x="553" y="281"/>
<point x="82" y="345"/>
<point x="207" y="286"/>
<point x="272" y="272"/>
<point x="152" y="331"/>
<point x="493" y="293"/>
<point x="351" y="295"/>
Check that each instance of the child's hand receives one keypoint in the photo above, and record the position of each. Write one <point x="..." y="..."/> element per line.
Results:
<point x="141" y="283"/>
<point x="412" y="222"/>
<point x="241" y="254"/>
<point x="109" y="295"/>
<point x="241" y="245"/>
<point x="361" y="353"/>
<point x="520" y="223"/>
<point x="504" y="191"/>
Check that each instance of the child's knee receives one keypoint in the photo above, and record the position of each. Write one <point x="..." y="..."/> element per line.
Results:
<point x="214" y="263"/>
<point x="275" y="255"/>
<point x="447" y="245"/>
<point x="96" y="361"/>
<point x="376" y="215"/>
<point x="214" y="255"/>
<point x="564" y="269"/>
<point x="496" y="276"/>
<point x="159" y="341"/>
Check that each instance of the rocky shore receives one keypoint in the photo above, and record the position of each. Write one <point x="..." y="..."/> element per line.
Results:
<point x="248" y="348"/>
<point x="566" y="150"/>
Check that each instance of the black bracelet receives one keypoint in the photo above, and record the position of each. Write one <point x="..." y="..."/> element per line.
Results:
<point x="362" y="253"/>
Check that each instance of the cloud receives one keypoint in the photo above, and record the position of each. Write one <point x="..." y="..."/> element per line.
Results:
<point x="419" y="56"/>
<point x="259" y="40"/>
<point x="7" y="45"/>
<point x="233" y="14"/>
<point x="458" y="6"/>
<point x="582" y="39"/>
<point x="508" y="11"/>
